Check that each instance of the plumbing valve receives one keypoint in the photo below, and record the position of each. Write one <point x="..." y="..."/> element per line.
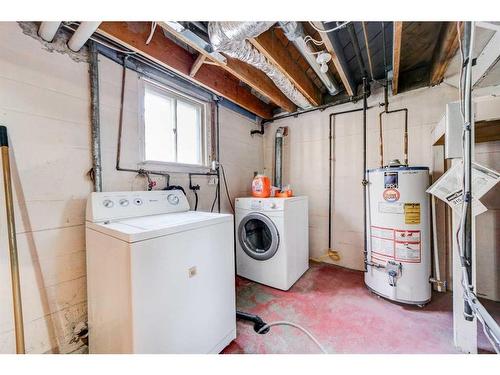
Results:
<point x="393" y="271"/>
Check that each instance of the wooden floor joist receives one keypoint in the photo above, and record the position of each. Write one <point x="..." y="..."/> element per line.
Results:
<point x="246" y="73"/>
<point x="340" y="66"/>
<point x="445" y="50"/>
<point x="164" y="51"/>
<point x="396" y="55"/>
<point x="270" y="46"/>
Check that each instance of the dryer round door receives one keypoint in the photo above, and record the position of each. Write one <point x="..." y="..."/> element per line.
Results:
<point x="258" y="236"/>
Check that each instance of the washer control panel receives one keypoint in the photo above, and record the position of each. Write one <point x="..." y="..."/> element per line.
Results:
<point x="107" y="206"/>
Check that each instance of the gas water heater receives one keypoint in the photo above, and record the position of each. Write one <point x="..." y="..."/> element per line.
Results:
<point x="398" y="233"/>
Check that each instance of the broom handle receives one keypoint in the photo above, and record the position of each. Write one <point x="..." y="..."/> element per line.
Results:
<point x="11" y="225"/>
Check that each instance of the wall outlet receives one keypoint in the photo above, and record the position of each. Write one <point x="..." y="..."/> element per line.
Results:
<point x="212" y="181"/>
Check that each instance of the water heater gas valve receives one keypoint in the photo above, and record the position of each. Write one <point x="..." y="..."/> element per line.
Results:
<point x="394" y="270"/>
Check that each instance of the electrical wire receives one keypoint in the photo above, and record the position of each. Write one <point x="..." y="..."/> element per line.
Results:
<point x="153" y="29"/>
<point x="285" y="323"/>
<point x="468" y="294"/>
<point x="215" y="199"/>
<point x="226" y="187"/>
<point x="341" y="26"/>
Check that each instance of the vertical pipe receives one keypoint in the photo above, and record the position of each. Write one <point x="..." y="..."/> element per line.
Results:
<point x="330" y="182"/>
<point x="380" y="140"/>
<point x="437" y="271"/>
<point x="278" y="158"/>
<point x="217" y="141"/>
<point x="467" y="162"/>
<point x="11" y="227"/>
<point x="94" y="115"/>
<point x="405" y="141"/>
<point x="365" y="182"/>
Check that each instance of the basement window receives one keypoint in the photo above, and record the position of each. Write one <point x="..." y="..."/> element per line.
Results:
<point x="175" y="131"/>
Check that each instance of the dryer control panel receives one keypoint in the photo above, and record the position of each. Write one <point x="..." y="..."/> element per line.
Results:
<point x="106" y="206"/>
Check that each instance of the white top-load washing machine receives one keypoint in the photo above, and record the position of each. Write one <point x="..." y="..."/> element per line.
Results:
<point x="160" y="278"/>
<point x="272" y="240"/>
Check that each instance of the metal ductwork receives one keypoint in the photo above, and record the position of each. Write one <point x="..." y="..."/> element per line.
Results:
<point x="295" y="34"/>
<point x="231" y="39"/>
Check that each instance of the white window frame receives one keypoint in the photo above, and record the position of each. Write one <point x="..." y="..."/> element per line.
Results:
<point x="206" y="130"/>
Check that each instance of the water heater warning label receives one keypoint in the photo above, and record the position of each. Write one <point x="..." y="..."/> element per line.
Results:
<point x="412" y="213"/>
<point x="395" y="244"/>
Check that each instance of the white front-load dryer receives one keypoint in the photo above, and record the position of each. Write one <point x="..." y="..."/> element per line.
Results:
<point x="272" y="240"/>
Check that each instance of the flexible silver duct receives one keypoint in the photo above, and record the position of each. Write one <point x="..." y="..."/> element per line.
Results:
<point x="231" y="39"/>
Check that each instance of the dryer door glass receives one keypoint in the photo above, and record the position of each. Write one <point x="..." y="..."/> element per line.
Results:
<point x="258" y="236"/>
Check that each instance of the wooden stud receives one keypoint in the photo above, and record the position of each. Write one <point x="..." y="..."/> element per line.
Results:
<point x="165" y="52"/>
<point x="396" y="55"/>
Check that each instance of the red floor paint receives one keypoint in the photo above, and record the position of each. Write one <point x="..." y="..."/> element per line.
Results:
<point x="334" y="304"/>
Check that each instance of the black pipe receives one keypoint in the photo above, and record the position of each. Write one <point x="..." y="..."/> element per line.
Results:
<point x="357" y="49"/>
<point x="365" y="181"/>
<point x="217" y="141"/>
<point x="257" y="321"/>
<point x="261" y="131"/>
<point x="94" y="116"/>
<point x="351" y="99"/>
<point x="142" y="172"/>
<point x="330" y="187"/>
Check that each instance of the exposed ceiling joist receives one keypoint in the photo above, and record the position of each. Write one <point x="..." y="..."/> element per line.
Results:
<point x="253" y="77"/>
<point x="269" y="45"/>
<point x="335" y="50"/>
<point x="165" y="52"/>
<point x="396" y="55"/>
<point x="197" y="65"/>
<point x="445" y="51"/>
<point x="486" y="60"/>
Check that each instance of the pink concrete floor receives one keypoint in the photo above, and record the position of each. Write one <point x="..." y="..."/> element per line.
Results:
<point x="334" y="304"/>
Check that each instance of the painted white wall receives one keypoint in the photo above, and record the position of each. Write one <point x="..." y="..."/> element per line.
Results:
<point x="306" y="161"/>
<point x="44" y="102"/>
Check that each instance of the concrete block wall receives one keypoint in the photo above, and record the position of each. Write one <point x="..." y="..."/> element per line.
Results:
<point x="44" y="102"/>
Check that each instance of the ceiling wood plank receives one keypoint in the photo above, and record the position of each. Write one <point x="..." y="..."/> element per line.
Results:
<point x="445" y="50"/>
<point x="197" y="64"/>
<point x="165" y="52"/>
<point x="334" y="49"/>
<point x="396" y="55"/>
<point x="253" y="77"/>
<point x="270" y="46"/>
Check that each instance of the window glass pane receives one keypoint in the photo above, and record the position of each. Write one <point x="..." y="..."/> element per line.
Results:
<point x="189" y="133"/>
<point x="159" y="126"/>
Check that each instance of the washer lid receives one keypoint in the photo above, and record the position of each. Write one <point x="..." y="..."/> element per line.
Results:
<point x="147" y="227"/>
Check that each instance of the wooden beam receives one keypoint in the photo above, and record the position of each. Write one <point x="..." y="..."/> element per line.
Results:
<point x="165" y="52"/>
<point x="445" y="51"/>
<point x="197" y="65"/>
<point x="270" y="46"/>
<point x="334" y="49"/>
<point x="396" y="54"/>
<point x="253" y="77"/>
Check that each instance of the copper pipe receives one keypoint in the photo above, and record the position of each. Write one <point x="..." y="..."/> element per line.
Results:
<point x="405" y="135"/>
<point x="380" y="140"/>
<point x="11" y="226"/>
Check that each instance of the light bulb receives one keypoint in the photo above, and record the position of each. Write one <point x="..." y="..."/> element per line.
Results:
<point x="323" y="68"/>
